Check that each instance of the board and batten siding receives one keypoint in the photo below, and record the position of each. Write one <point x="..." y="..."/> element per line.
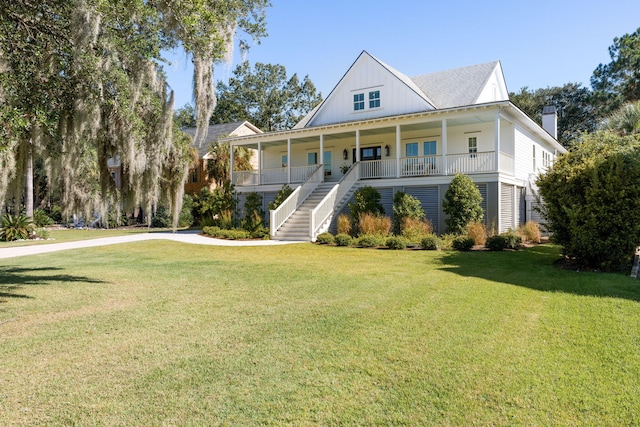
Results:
<point x="366" y="75"/>
<point x="524" y="145"/>
<point x="429" y="198"/>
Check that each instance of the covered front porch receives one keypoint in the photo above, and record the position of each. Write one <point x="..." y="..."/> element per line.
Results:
<point x="475" y="140"/>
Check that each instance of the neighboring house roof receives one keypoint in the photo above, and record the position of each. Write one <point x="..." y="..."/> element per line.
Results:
<point x="457" y="87"/>
<point x="218" y="131"/>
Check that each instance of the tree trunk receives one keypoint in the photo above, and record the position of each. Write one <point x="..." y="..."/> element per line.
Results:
<point x="28" y="197"/>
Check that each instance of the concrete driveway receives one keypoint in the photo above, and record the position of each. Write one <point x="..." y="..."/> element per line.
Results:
<point x="184" y="237"/>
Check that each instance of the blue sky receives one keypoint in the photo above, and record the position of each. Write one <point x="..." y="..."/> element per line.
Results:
<point x="539" y="43"/>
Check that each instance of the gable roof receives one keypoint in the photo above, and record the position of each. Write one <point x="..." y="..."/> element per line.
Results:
<point x="405" y="79"/>
<point x="215" y="132"/>
<point x="364" y="56"/>
<point x="443" y="89"/>
<point x="457" y="87"/>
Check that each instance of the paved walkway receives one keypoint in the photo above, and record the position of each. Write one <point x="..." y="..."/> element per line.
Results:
<point x="184" y="237"/>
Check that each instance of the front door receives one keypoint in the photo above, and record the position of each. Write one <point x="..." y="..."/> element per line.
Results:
<point x="368" y="153"/>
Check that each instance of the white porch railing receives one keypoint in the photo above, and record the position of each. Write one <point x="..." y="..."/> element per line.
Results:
<point x="241" y="178"/>
<point x="421" y="166"/>
<point x="471" y="163"/>
<point x="467" y="163"/>
<point x="320" y="215"/>
<point x="377" y="168"/>
<point x="273" y="176"/>
<point x="278" y="216"/>
<point x="507" y="163"/>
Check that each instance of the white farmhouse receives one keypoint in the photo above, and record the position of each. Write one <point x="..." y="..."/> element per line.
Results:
<point x="383" y="129"/>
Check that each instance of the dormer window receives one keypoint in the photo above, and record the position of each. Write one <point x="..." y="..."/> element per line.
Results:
<point x="358" y="102"/>
<point x="374" y="99"/>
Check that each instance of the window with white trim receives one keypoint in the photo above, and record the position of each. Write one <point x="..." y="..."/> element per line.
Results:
<point x="534" y="157"/>
<point x="285" y="160"/>
<point x="374" y="99"/>
<point x="312" y="158"/>
<point x="429" y="148"/>
<point x="358" y="102"/>
<point x="412" y="149"/>
<point x="473" y="146"/>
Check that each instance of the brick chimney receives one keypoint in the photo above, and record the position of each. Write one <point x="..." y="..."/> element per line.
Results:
<point x="550" y="120"/>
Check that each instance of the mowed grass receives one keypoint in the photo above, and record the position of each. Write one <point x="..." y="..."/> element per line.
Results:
<point x="61" y="235"/>
<point x="162" y="333"/>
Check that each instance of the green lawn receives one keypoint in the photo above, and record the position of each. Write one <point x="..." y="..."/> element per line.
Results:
<point x="72" y="235"/>
<point x="162" y="333"/>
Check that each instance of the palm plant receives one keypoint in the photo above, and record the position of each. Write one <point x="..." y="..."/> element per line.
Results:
<point x="16" y="227"/>
<point x="625" y="120"/>
<point x="218" y="167"/>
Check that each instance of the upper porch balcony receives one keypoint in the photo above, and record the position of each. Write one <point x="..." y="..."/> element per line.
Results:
<point x="403" y="167"/>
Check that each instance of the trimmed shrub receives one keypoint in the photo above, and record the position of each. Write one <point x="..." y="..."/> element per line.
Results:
<point x="16" y="227"/>
<point x="430" y="242"/>
<point x="344" y="240"/>
<point x="462" y="243"/>
<point x="282" y="195"/>
<point x="210" y="230"/>
<point x="478" y="232"/>
<point x="462" y="204"/>
<point x="396" y="242"/>
<point x="512" y="239"/>
<point x="500" y="242"/>
<point x="374" y="224"/>
<point x="325" y="238"/>
<point x="370" y="241"/>
<point x="530" y="232"/>
<point x="496" y="243"/>
<point x="591" y="200"/>
<point x="414" y="229"/>
<point x="260" y="233"/>
<point x="405" y="207"/>
<point x="343" y="224"/>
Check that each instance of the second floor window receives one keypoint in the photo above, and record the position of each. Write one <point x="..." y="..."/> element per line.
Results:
<point x="430" y="148"/>
<point x="412" y="149"/>
<point x="473" y="146"/>
<point x="358" y="102"/>
<point x="374" y="99"/>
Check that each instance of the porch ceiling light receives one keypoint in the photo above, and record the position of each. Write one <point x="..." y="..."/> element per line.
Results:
<point x="386" y="150"/>
<point x="345" y="154"/>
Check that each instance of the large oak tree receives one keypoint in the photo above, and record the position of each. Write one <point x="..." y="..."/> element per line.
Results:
<point x="81" y="82"/>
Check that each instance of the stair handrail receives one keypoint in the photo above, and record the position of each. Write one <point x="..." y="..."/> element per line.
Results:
<point x="281" y="214"/>
<point x="321" y="213"/>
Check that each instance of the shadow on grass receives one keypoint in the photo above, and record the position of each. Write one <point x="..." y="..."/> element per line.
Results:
<point x="13" y="279"/>
<point x="534" y="268"/>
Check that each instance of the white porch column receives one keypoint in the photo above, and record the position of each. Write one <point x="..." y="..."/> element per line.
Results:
<point x="444" y="146"/>
<point x="231" y="162"/>
<point x="497" y="142"/>
<point x="288" y="160"/>
<point x="322" y="153"/>
<point x="398" y="139"/>
<point x="259" y="163"/>
<point x="357" y="145"/>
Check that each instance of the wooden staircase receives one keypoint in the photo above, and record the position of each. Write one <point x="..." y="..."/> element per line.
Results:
<point x="297" y="226"/>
